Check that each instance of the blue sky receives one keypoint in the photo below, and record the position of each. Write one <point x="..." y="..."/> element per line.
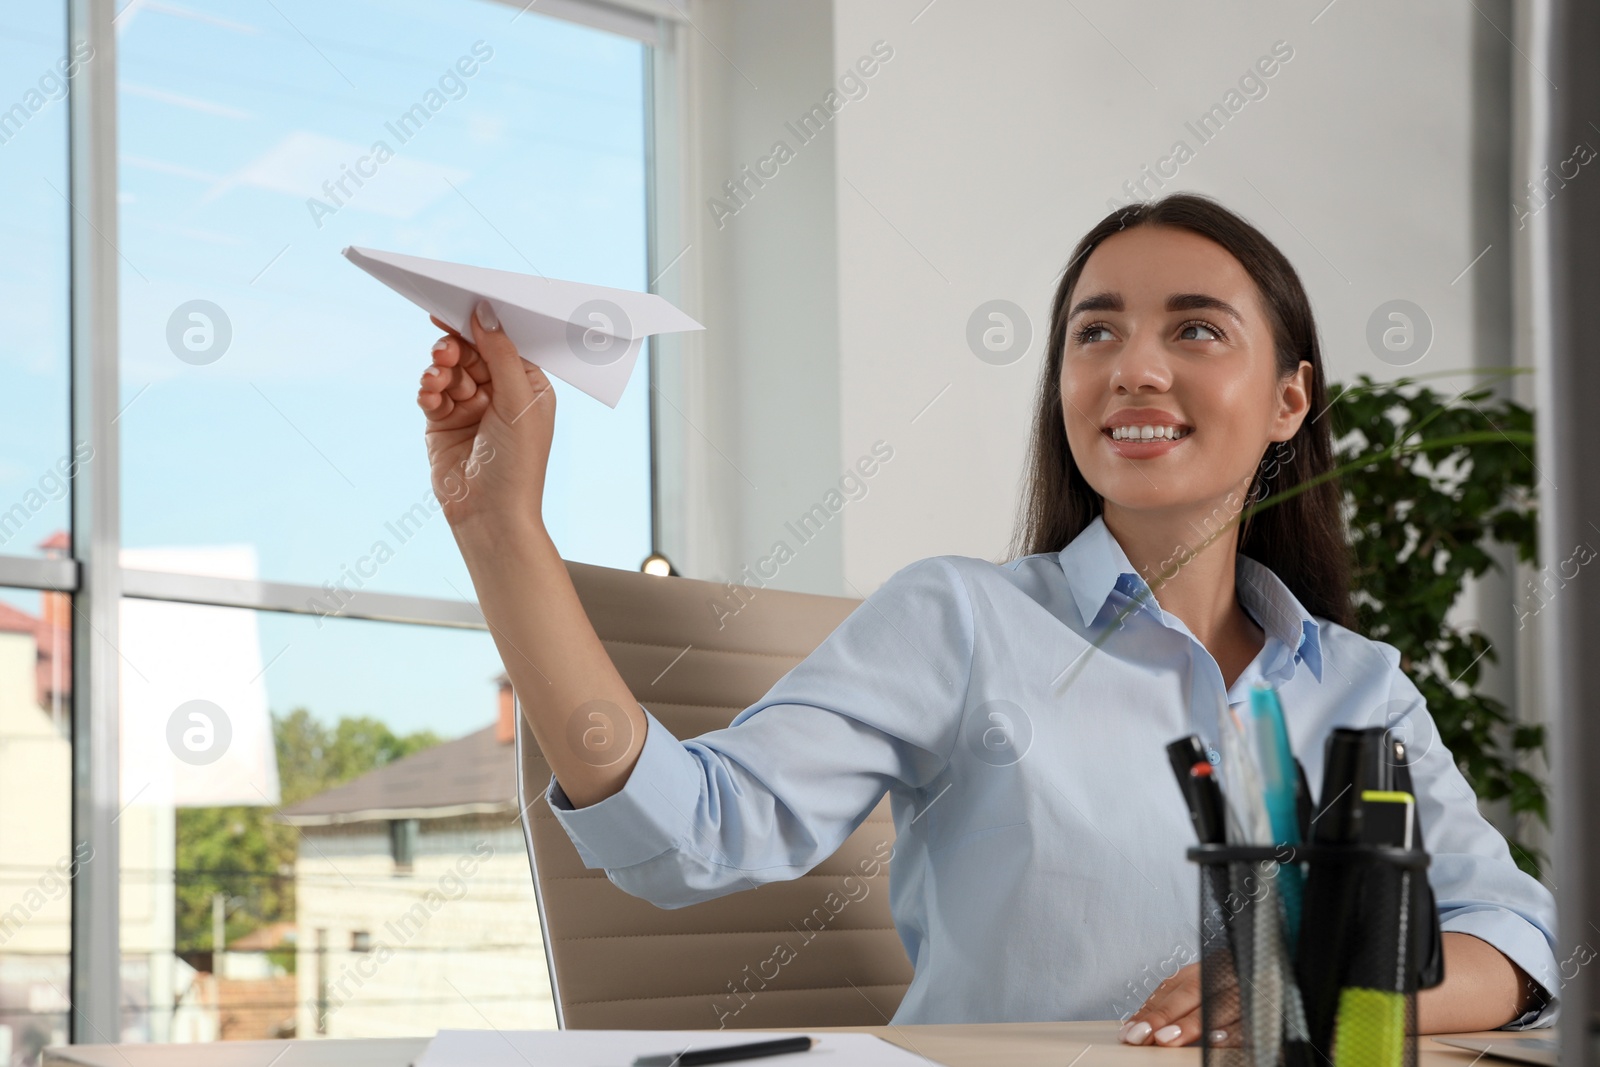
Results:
<point x="302" y="438"/>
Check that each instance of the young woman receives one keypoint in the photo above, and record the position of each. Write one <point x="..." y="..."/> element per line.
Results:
<point x="1017" y="713"/>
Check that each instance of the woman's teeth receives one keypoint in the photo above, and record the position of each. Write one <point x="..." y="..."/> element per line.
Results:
<point x="1149" y="433"/>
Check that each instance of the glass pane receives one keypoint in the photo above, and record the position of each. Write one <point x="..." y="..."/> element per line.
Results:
<point x="35" y="459"/>
<point x="269" y="384"/>
<point x="341" y="822"/>
<point x="36" y="854"/>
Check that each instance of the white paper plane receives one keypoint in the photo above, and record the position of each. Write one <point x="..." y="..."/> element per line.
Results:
<point x="587" y="335"/>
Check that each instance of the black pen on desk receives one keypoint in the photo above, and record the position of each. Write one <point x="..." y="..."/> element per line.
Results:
<point x="727" y="1053"/>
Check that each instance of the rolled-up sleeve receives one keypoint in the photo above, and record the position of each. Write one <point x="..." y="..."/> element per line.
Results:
<point x="876" y="706"/>
<point x="1479" y="888"/>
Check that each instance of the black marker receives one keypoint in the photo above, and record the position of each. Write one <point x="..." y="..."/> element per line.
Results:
<point x="1350" y="763"/>
<point x="1184" y="754"/>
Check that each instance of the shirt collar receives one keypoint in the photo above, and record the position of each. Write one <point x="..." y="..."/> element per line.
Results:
<point x="1279" y="612"/>
<point x="1094" y="563"/>
<point x="1095" y="566"/>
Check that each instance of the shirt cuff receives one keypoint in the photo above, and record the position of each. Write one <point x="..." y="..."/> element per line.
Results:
<point x="649" y="815"/>
<point x="1522" y="943"/>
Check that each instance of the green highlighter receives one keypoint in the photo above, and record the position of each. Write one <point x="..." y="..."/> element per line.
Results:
<point x="1370" y="1030"/>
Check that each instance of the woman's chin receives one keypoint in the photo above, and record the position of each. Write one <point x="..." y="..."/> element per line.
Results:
<point x="1169" y="498"/>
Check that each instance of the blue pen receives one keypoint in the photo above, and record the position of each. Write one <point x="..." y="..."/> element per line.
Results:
<point x="1280" y="785"/>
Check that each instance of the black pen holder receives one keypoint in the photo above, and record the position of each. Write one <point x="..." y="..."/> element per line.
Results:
<point x="1308" y="954"/>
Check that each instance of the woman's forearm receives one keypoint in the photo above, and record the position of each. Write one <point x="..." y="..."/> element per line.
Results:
<point x="1482" y="989"/>
<point x="583" y="715"/>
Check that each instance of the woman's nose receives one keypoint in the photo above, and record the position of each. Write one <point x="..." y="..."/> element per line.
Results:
<point x="1141" y="365"/>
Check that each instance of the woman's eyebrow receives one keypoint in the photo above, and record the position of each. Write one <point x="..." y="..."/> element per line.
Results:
<point x="1175" y="302"/>
<point x="1200" y="302"/>
<point x="1097" y="302"/>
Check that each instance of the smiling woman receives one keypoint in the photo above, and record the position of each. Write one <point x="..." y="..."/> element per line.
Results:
<point x="1184" y="362"/>
<point x="1016" y="712"/>
<point x="1235" y="369"/>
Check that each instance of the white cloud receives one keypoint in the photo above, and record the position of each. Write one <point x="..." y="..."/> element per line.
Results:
<point x="303" y="164"/>
<point x="190" y="103"/>
<point x="124" y="18"/>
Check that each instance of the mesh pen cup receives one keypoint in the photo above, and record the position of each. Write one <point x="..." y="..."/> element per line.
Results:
<point x="1306" y="955"/>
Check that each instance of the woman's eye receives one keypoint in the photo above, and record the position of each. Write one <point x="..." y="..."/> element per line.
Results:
<point x="1085" y="334"/>
<point x="1216" y="334"/>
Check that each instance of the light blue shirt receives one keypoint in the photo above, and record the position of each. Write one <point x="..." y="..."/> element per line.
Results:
<point x="1038" y="870"/>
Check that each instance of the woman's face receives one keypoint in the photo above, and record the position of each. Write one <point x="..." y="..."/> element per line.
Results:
<point x="1167" y="331"/>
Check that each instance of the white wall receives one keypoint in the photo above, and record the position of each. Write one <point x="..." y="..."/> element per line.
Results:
<point x="750" y="425"/>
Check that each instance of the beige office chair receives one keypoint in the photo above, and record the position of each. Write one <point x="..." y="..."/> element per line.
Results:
<point x="619" y="962"/>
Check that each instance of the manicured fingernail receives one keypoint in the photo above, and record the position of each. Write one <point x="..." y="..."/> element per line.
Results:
<point x="1219" y="1037"/>
<point x="1168" y="1034"/>
<point x="1136" y="1033"/>
<point x="440" y="345"/>
<point x="486" y="316"/>
<point x="431" y="372"/>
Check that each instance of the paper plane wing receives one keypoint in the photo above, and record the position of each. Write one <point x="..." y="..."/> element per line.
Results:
<point x="587" y="335"/>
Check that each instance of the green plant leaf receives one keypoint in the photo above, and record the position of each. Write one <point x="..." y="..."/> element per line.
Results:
<point x="1434" y="483"/>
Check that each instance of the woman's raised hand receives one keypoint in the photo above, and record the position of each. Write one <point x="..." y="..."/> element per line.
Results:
<point x="490" y="417"/>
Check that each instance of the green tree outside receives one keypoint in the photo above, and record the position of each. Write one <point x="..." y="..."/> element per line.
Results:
<point x="248" y="853"/>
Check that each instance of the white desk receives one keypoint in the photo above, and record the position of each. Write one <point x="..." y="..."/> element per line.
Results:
<point x="955" y="1044"/>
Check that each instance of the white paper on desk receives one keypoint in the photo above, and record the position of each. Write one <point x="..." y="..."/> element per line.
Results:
<point x="589" y="336"/>
<point x="617" y="1048"/>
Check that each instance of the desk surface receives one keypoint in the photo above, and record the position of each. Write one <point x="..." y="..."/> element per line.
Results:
<point x="955" y="1045"/>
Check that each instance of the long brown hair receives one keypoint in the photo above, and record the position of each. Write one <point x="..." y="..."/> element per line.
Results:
<point x="1301" y="538"/>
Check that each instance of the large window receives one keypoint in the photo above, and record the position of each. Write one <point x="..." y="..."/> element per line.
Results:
<point x="269" y="431"/>
<point x="268" y="382"/>
<point x="298" y="783"/>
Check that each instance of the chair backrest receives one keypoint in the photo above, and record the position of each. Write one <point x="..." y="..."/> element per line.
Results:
<point x="819" y="950"/>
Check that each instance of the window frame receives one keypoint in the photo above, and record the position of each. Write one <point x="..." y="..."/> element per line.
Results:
<point x="91" y="572"/>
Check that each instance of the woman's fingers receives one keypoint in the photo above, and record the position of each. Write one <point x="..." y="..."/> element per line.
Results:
<point x="461" y="386"/>
<point x="462" y="381"/>
<point x="432" y="395"/>
<point x="449" y="380"/>
<point x="506" y="366"/>
<point x="451" y="351"/>
<point x="1171" y="1015"/>
<point x="447" y="396"/>
<point x="434" y="404"/>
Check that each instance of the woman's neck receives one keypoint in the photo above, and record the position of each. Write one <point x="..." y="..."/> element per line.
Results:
<point x="1191" y="579"/>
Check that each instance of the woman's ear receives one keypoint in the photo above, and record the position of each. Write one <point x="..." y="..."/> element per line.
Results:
<point x="1294" y="401"/>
